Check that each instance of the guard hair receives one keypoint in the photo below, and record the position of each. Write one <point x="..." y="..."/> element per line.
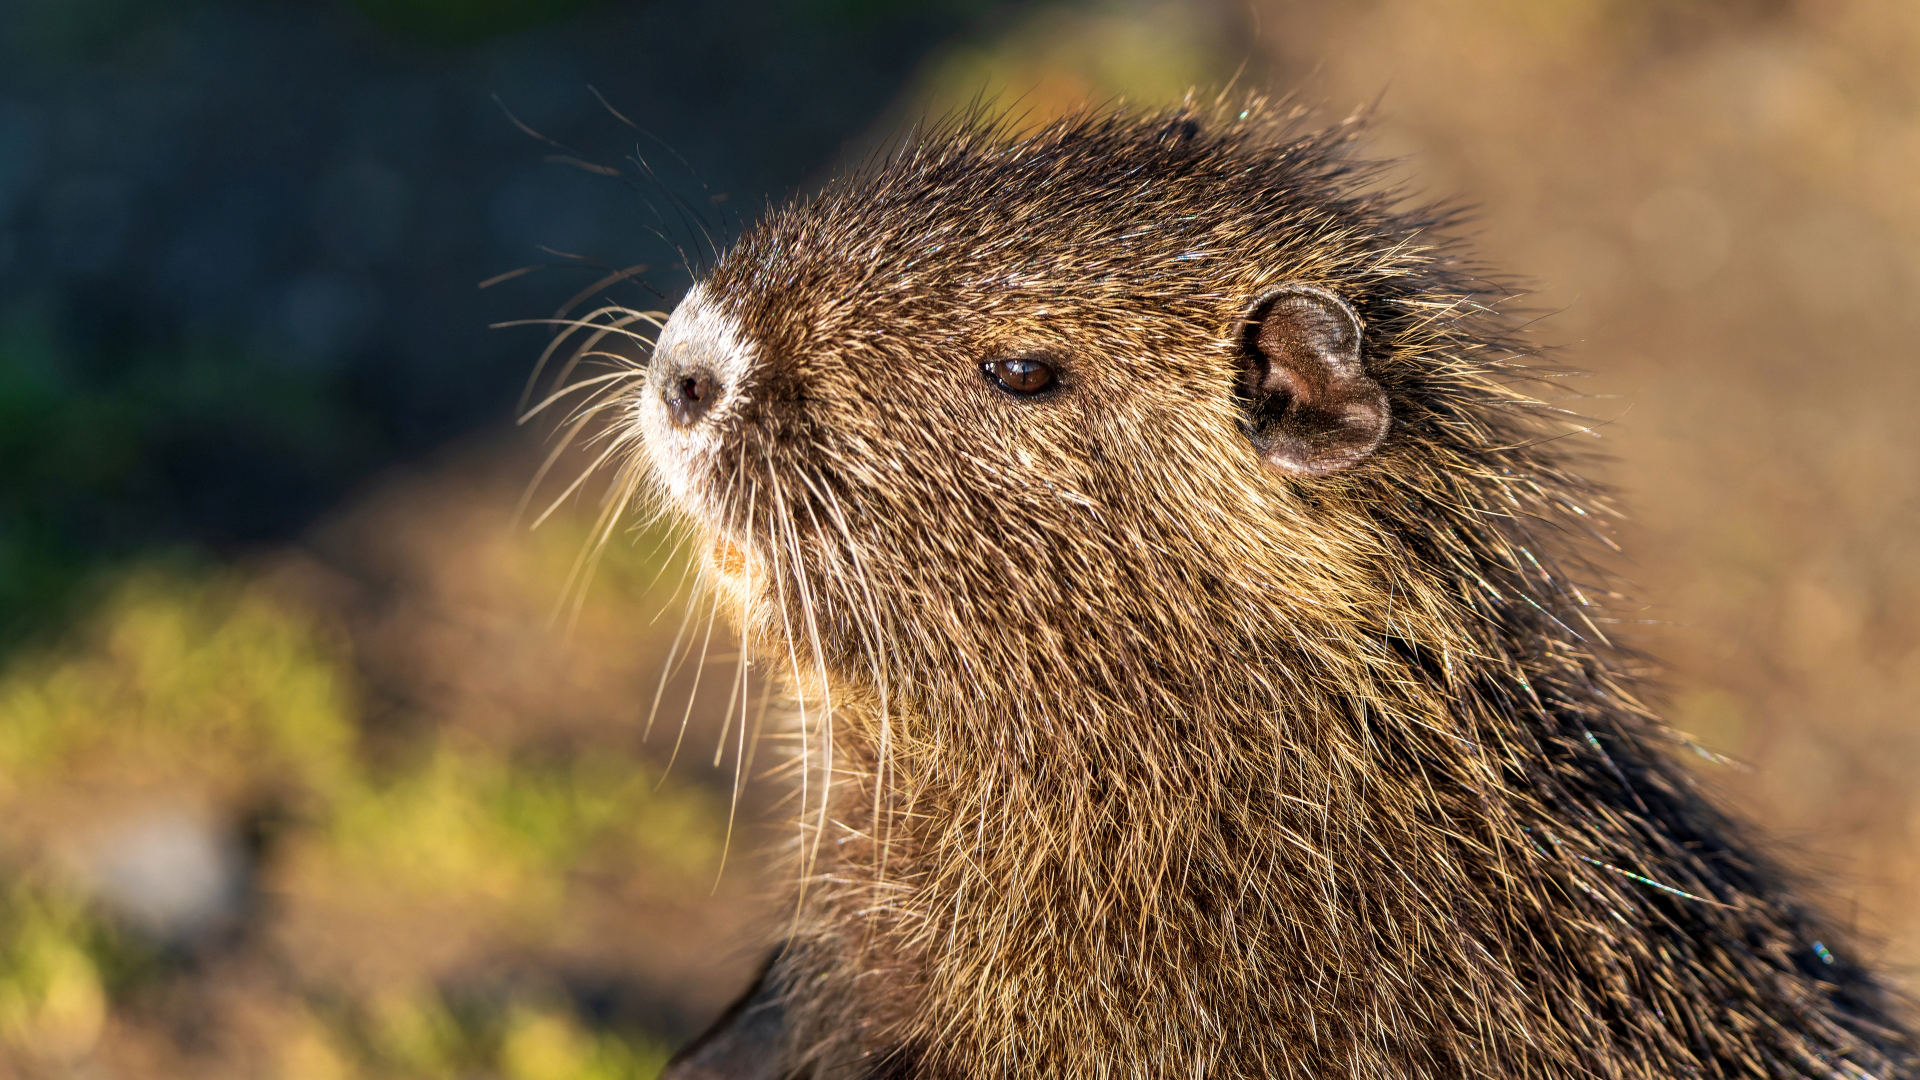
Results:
<point x="1131" y="752"/>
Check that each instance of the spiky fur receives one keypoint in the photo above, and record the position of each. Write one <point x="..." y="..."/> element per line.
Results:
<point x="1131" y="756"/>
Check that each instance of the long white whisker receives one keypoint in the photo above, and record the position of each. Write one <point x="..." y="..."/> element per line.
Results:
<point x="540" y="474"/>
<point x="874" y="636"/>
<point x="680" y="539"/>
<point x="583" y="564"/>
<point x="838" y="577"/>
<point x="574" y="387"/>
<point x="587" y="322"/>
<point x="693" y="693"/>
<point x="720" y="744"/>
<point x="585" y="475"/>
<point x="613" y="508"/>
<point x="808" y="608"/>
<point x="759" y="727"/>
<point x="679" y="636"/>
<point x="741" y="692"/>
<point x="700" y="666"/>
<point x="613" y="278"/>
<point x="666" y="671"/>
<point x="601" y="330"/>
<point x="777" y="553"/>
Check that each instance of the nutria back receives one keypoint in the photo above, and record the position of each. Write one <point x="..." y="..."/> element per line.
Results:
<point x="1200" y="667"/>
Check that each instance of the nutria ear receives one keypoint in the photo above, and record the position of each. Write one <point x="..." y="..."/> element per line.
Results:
<point x="1310" y="408"/>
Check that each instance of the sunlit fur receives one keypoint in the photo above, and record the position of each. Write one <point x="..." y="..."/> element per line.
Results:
<point x="1128" y="755"/>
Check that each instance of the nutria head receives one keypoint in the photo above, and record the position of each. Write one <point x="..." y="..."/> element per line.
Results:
<point x="1056" y="415"/>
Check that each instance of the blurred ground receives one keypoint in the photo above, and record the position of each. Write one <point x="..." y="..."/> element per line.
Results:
<point x="360" y="808"/>
<point x="348" y="801"/>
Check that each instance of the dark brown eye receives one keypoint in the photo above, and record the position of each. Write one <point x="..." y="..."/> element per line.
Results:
<point x="1022" y="375"/>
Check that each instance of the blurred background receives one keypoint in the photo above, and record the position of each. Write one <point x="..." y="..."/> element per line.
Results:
<point x="311" y="768"/>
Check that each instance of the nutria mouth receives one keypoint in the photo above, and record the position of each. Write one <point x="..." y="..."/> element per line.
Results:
<point x="726" y="558"/>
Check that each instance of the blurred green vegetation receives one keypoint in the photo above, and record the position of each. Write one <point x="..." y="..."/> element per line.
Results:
<point x="182" y="671"/>
<point x="204" y="683"/>
<point x="57" y="967"/>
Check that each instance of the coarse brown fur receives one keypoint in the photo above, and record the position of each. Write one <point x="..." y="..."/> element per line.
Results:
<point x="1132" y="755"/>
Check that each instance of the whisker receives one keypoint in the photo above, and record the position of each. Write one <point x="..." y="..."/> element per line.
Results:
<point x="700" y="667"/>
<point x="507" y="276"/>
<point x="540" y="474"/>
<point x="680" y="539"/>
<point x="679" y="636"/>
<point x="591" y="347"/>
<point x="612" y="510"/>
<point x="873" y="635"/>
<point x="740" y="690"/>
<point x="655" y="319"/>
<point x="759" y="728"/>
<point x="585" y="475"/>
<point x="575" y="387"/>
<point x="626" y="317"/>
<point x="777" y="553"/>
<point x="732" y="526"/>
<point x="808" y="608"/>
<point x="612" y="278"/>
<point x="867" y="631"/>
<point x="666" y="672"/>
<point x="693" y="694"/>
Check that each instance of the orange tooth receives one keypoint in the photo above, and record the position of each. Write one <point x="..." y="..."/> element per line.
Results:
<point x="727" y="558"/>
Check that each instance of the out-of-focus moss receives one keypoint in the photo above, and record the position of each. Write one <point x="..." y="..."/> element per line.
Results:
<point x="58" y="966"/>
<point x="471" y="824"/>
<point x="311" y="1052"/>
<point x="413" y="1031"/>
<point x="52" y="1003"/>
<point x="417" y="1034"/>
<point x="183" y="674"/>
<point x="549" y="1044"/>
<point x="208" y="681"/>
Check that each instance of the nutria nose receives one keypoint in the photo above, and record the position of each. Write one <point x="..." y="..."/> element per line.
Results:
<point x="689" y="392"/>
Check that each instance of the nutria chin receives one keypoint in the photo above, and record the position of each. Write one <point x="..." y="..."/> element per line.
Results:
<point x="1153" y="520"/>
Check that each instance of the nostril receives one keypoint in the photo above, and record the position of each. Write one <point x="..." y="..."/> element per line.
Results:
<point x="689" y="394"/>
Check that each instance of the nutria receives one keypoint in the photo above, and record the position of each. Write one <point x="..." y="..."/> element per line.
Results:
<point x="1200" y="664"/>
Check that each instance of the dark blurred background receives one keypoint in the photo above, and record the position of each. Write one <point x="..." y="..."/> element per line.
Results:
<point x="242" y="241"/>
<point x="309" y="765"/>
